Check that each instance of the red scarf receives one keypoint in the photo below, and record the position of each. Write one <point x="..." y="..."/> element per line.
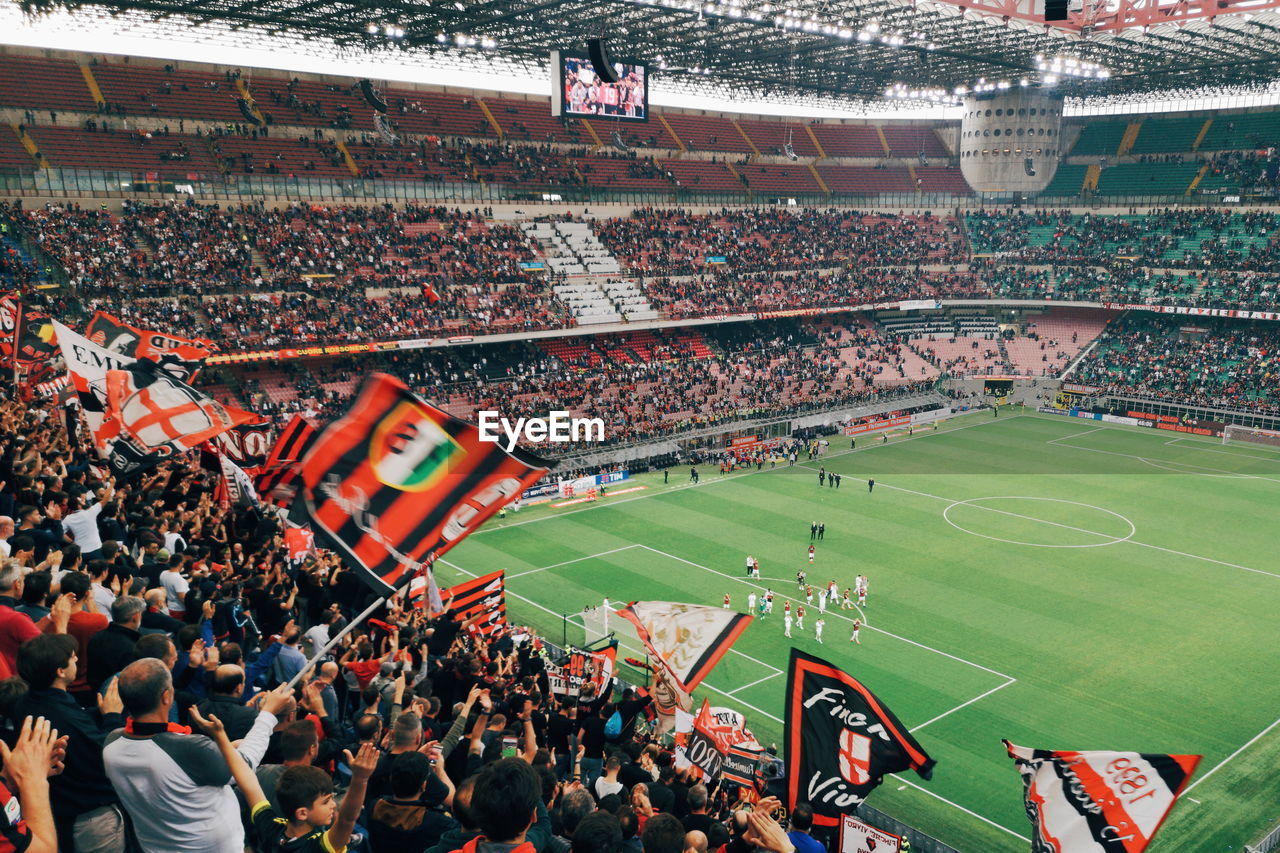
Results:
<point x="133" y="727"/>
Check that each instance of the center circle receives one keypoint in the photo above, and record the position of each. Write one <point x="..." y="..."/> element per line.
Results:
<point x="1071" y="520"/>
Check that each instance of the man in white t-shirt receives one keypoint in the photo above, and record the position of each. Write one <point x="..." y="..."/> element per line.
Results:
<point x="82" y="525"/>
<point x="175" y="590"/>
<point x="6" y="530"/>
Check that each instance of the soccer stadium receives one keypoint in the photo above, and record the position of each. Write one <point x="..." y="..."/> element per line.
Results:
<point x="640" y="426"/>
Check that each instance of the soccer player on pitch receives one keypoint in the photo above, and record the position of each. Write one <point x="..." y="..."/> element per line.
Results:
<point x="726" y="601"/>
<point x="786" y="621"/>
<point x="857" y="626"/>
<point x="817" y="629"/>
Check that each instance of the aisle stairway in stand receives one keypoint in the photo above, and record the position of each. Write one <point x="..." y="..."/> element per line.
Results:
<point x="589" y="278"/>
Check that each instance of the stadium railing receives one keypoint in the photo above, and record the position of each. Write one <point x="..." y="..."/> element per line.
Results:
<point x="76" y="183"/>
<point x="1157" y="406"/>
<point x="1267" y="843"/>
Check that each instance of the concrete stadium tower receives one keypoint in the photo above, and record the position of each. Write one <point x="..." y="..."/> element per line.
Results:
<point x="1001" y="132"/>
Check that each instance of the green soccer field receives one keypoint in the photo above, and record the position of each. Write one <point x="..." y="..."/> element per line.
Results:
<point x="1049" y="580"/>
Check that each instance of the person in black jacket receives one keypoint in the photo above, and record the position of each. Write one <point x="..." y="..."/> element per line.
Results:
<point x="111" y="649"/>
<point x="45" y="532"/>
<point x="228" y="685"/>
<point x="85" y="807"/>
<point x="409" y="818"/>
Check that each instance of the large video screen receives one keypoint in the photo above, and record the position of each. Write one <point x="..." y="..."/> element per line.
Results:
<point x="580" y="92"/>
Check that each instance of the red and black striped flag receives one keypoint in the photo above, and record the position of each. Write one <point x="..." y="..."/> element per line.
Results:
<point x="1099" y="801"/>
<point x="486" y="594"/>
<point x="395" y="483"/>
<point x="841" y="740"/>
<point x="275" y="482"/>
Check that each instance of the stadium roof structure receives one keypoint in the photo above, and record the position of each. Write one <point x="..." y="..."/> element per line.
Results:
<point x="799" y="49"/>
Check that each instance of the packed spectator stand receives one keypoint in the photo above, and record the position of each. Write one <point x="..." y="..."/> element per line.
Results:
<point x="151" y="638"/>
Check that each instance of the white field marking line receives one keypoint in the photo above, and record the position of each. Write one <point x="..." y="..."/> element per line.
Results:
<point x="838" y="615"/>
<point x="1225" y="452"/>
<point x="568" y="562"/>
<point x="972" y="502"/>
<point x="962" y="705"/>
<point x="732" y="478"/>
<point x="985" y="820"/>
<point x="1054" y="523"/>
<point x="1164" y="464"/>
<point x="1073" y="435"/>
<point x="754" y="683"/>
<point x="1220" y="764"/>
<point x="777" y="719"/>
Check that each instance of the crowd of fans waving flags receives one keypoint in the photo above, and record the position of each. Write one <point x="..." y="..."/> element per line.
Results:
<point x="394" y="483"/>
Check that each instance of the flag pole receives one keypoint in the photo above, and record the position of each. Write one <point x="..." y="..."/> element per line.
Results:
<point x="333" y="641"/>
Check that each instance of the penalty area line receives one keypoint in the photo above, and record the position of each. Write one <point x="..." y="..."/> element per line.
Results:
<point x="943" y="799"/>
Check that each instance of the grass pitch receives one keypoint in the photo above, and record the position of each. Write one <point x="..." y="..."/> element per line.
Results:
<point x="1049" y="580"/>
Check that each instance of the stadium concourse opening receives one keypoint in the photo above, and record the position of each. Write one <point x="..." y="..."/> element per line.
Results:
<point x="917" y="382"/>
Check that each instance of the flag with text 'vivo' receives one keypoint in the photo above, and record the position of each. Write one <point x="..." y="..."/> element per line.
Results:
<point x="395" y="483"/>
<point x="841" y="740"/>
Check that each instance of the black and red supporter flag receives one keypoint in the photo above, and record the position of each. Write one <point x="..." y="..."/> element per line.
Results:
<point x="1098" y="801"/>
<point x="395" y="483"/>
<point x="841" y="740"/>
<point x="485" y="595"/>
<point x="701" y="747"/>
<point x="275" y="481"/>
<point x="115" y="335"/>
<point x="247" y="444"/>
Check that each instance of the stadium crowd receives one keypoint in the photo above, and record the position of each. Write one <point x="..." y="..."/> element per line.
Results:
<point x="678" y="242"/>
<point x="764" y="369"/>
<point x="150" y="641"/>
<point x="1208" y="362"/>
<point x="270" y="276"/>
<point x="1179" y="238"/>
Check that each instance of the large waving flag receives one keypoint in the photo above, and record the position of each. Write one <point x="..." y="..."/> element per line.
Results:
<point x="395" y="483"/>
<point x="160" y="416"/>
<point x="689" y="639"/>
<point x="87" y="366"/>
<point x="1099" y="801"/>
<point x="117" y="336"/>
<point x="841" y="740"/>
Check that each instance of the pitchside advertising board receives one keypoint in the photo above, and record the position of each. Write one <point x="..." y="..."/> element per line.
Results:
<point x="859" y="837"/>
<point x="1170" y="423"/>
<point x="546" y="490"/>
<point x="744" y="443"/>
